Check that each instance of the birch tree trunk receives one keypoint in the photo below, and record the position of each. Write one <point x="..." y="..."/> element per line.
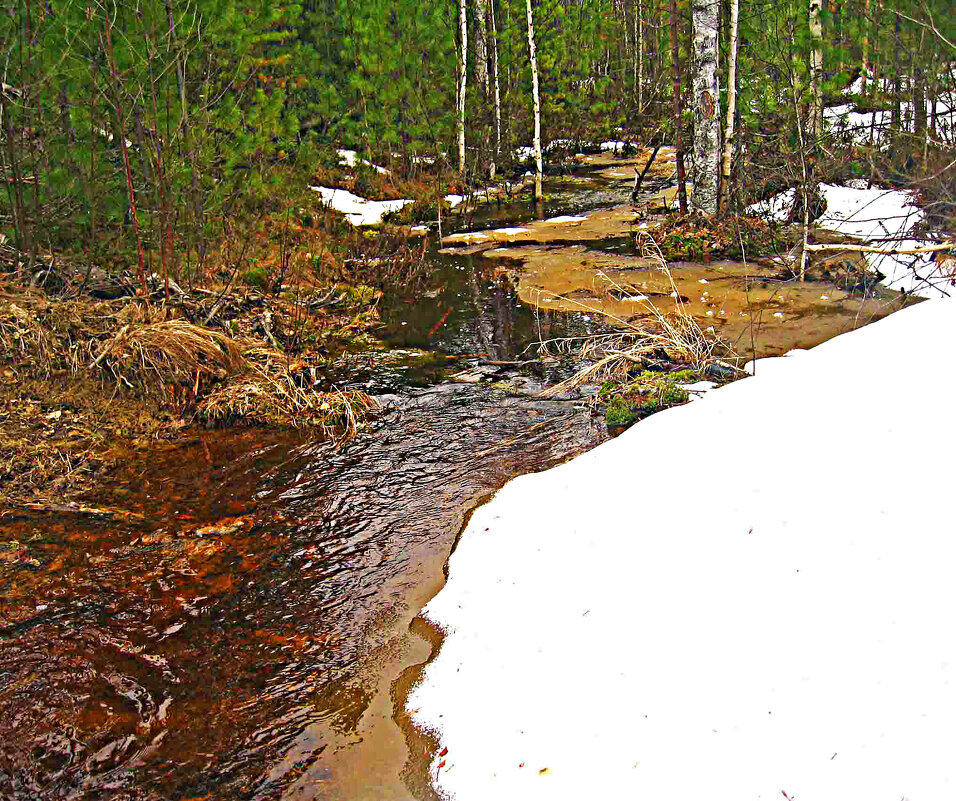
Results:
<point x="462" y="79"/>
<point x="539" y="167"/>
<point x="729" y="130"/>
<point x="677" y="108"/>
<point x="815" y="121"/>
<point x="706" y="121"/>
<point x="481" y="45"/>
<point x="496" y="87"/>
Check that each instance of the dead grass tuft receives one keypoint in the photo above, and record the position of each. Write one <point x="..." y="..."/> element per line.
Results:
<point x="267" y="392"/>
<point x="170" y="350"/>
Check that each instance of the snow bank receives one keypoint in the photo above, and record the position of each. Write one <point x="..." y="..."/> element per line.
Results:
<point x="742" y="597"/>
<point x="358" y="210"/>
<point x="883" y="217"/>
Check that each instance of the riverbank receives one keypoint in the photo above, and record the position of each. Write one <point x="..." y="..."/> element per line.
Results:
<point x="765" y="620"/>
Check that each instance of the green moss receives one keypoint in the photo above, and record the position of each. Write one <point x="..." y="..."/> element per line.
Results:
<point x="620" y="412"/>
<point x="257" y="277"/>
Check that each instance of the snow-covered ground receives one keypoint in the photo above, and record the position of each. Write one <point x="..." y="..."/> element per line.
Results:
<point x="881" y="217"/>
<point x="747" y="597"/>
<point x="358" y="210"/>
<point x="349" y="158"/>
<point x="874" y="127"/>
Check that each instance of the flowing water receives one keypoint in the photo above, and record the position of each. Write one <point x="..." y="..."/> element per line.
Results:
<point x="232" y="620"/>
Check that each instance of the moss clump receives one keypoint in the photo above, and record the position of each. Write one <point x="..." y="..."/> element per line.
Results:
<point x="644" y="393"/>
<point x="620" y="412"/>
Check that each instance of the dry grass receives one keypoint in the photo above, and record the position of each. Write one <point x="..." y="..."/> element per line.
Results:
<point x="170" y="350"/>
<point x="676" y="336"/>
<point x="267" y="392"/>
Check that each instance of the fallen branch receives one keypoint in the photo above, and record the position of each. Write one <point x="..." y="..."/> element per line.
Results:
<point x="884" y="251"/>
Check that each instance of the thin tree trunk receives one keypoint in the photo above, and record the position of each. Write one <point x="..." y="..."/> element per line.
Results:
<point x="865" y="43"/>
<point x="677" y="108"/>
<point x="481" y="45"/>
<point x="497" y="89"/>
<point x="640" y="55"/>
<point x="706" y="118"/>
<point x="729" y="129"/>
<point x="462" y="80"/>
<point x="815" y="121"/>
<point x="539" y="167"/>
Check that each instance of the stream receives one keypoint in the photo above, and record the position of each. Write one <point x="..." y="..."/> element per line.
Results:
<point x="243" y="623"/>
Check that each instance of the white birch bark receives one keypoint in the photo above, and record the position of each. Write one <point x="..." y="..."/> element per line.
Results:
<point x="729" y="129"/>
<point x="706" y="119"/>
<point x="539" y="167"/>
<point x="462" y="80"/>
<point x="815" y="121"/>
<point x="496" y="87"/>
<point x="481" y="45"/>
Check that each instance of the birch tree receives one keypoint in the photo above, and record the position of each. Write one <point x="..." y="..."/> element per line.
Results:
<point x="462" y="80"/>
<point x="706" y="122"/>
<point x="815" y="120"/>
<point x="539" y="167"/>
<point x="496" y="88"/>
<point x="677" y="108"/>
<point x="729" y="129"/>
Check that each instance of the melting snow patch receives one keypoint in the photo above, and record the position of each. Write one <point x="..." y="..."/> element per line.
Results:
<point x="882" y="217"/>
<point x="467" y="236"/>
<point x="454" y="200"/>
<point x="358" y="210"/>
<point x="350" y="158"/>
<point x="511" y="231"/>
<point x="567" y="218"/>
<point x="775" y="640"/>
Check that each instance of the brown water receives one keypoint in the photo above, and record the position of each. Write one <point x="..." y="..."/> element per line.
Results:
<point x="239" y="626"/>
<point x="228" y="640"/>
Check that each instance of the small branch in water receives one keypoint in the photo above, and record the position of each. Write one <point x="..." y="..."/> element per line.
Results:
<point x="639" y="178"/>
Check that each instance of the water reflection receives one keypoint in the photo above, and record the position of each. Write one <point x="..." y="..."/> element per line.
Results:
<point x="182" y="652"/>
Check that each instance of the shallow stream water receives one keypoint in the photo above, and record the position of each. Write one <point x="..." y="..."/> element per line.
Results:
<point x="234" y="622"/>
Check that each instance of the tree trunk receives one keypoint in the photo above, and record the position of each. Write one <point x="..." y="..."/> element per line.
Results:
<point x="729" y="130"/>
<point x="481" y="45"/>
<point x="677" y="108"/>
<point x="815" y="121"/>
<point x="640" y="55"/>
<point x="462" y="79"/>
<point x="865" y="43"/>
<point x="496" y="87"/>
<point x="539" y="167"/>
<point x="706" y="121"/>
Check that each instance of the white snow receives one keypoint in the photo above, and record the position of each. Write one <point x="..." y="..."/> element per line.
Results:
<point x="358" y="210"/>
<point x="746" y="596"/>
<point x="454" y="200"/>
<point x="881" y="217"/>
<point x="615" y="146"/>
<point x="511" y="231"/>
<point x="565" y="218"/>
<point x="467" y="236"/>
<point x="350" y="158"/>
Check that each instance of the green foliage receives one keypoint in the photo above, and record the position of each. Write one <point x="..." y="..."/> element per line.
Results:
<point x="643" y="393"/>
